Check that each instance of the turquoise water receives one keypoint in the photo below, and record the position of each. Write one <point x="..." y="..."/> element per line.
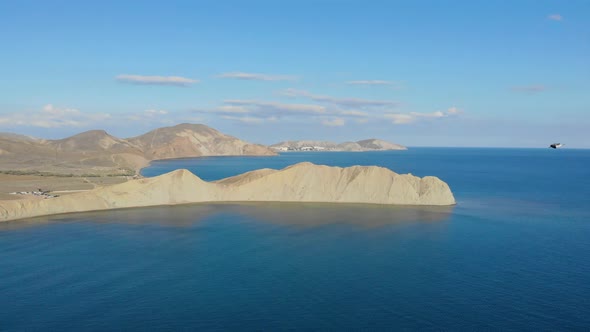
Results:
<point x="513" y="254"/>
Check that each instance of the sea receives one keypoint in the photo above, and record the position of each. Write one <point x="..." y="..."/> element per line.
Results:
<point x="513" y="254"/>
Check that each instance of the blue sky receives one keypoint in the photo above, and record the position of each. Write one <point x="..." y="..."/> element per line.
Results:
<point x="419" y="73"/>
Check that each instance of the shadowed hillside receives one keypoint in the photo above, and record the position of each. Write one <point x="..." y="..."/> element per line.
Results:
<point x="193" y="140"/>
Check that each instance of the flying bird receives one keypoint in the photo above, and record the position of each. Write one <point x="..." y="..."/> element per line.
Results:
<point x="555" y="145"/>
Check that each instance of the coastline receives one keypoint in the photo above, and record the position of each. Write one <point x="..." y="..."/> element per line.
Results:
<point x="303" y="182"/>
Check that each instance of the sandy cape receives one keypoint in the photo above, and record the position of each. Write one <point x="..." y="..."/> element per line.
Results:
<point x="303" y="182"/>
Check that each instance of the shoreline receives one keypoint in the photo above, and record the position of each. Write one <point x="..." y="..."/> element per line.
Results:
<point x="244" y="203"/>
<point x="32" y="180"/>
<point x="302" y="183"/>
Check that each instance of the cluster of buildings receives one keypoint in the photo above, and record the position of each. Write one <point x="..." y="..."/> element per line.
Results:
<point x="39" y="193"/>
<point x="302" y="148"/>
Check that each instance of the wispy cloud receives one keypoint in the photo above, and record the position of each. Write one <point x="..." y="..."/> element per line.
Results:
<point x="155" y="112"/>
<point x="245" y="119"/>
<point x="343" y="102"/>
<point x="257" y="111"/>
<point x="437" y="114"/>
<point x="400" y="118"/>
<point x="232" y="109"/>
<point x="370" y="82"/>
<point x="275" y="107"/>
<point x="411" y="117"/>
<point x="336" y="122"/>
<point x="150" y="116"/>
<point x="256" y="76"/>
<point x="529" y="88"/>
<point x="353" y="113"/>
<point x="156" y="80"/>
<point x="50" y="116"/>
<point x="555" y="17"/>
<point x="454" y="110"/>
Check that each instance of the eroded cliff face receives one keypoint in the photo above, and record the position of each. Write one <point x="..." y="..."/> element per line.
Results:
<point x="304" y="182"/>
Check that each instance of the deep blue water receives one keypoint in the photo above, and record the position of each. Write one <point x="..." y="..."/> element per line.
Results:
<point x="513" y="254"/>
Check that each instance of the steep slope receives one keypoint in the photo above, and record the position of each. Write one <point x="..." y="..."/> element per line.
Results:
<point x="304" y="182"/>
<point x="193" y="140"/>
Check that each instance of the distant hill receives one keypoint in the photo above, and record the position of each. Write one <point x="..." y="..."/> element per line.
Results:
<point x="16" y="137"/>
<point x="96" y="152"/>
<point x="193" y="140"/>
<point x="364" y="145"/>
<point x="93" y="141"/>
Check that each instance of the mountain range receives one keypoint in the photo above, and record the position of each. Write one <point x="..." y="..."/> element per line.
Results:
<point x="96" y="152"/>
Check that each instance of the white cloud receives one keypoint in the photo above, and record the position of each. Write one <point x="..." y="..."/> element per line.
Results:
<point x="250" y="119"/>
<point x="244" y="119"/>
<point x="406" y="118"/>
<point x="256" y="76"/>
<point x="345" y="102"/>
<point x="256" y="111"/>
<point x="232" y="109"/>
<point x="155" y="112"/>
<point x="52" y="111"/>
<point x="354" y="113"/>
<point x="400" y="118"/>
<point x="274" y="107"/>
<point x="370" y="82"/>
<point x="336" y="122"/>
<point x="335" y="111"/>
<point x="555" y="17"/>
<point x="50" y="116"/>
<point x="454" y="110"/>
<point x="150" y="115"/>
<point x="437" y="114"/>
<point x="156" y="80"/>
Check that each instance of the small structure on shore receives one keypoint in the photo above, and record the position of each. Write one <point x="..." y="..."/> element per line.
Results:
<point x="39" y="193"/>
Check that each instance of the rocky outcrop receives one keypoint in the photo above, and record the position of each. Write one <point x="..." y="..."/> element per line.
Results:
<point x="303" y="182"/>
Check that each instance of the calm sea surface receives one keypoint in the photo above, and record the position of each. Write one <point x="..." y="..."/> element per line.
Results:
<point x="513" y="254"/>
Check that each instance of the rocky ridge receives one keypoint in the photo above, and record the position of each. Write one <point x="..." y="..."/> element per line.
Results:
<point x="303" y="182"/>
